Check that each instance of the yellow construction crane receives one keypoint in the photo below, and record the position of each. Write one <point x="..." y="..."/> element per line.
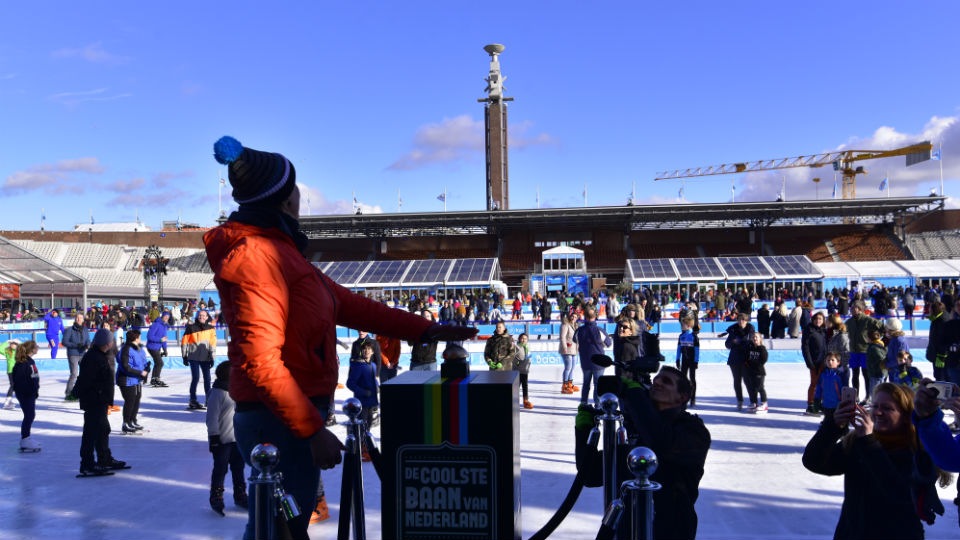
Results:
<point x="842" y="161"/>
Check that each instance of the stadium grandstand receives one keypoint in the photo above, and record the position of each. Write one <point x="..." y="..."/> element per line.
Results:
<point x="828" y="232"/>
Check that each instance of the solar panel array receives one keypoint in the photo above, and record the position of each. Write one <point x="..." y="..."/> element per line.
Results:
<point x="744" y="267"/>
<point x="410" y="273"/>
<point x="653" y="269"/>
<point x="385" y="272"/>
<point x="429" y="271"/>
<point x="791" y="265"/>
<point x="720" y="268"/>
<point x="471" y="270"/>
<point x="698" y="268"/>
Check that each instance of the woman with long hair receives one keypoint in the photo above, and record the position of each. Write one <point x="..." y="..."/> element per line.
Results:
<point x="26" y="386"/>
<point x="569" y="352"/>
<point x="198" y="348"/>
<point x="778" y="322"/>
<point x="889" y="483"/>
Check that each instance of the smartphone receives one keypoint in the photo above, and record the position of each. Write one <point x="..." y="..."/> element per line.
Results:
<point x="848" y="393"/>
<point x="944" y="390"/>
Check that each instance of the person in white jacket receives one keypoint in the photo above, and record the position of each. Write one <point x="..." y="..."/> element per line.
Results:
<point x="223" y="444"/>
<point x="569" y="352"/>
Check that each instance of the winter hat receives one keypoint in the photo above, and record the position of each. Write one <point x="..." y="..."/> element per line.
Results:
<point x="102" y="337"/>
<point x="893" y="324"/>
<point x="258" y="178"/>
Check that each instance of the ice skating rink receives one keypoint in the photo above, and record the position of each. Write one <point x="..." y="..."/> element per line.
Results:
<point x="754" y="485"/>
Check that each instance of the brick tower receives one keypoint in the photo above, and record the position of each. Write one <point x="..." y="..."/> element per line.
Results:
<point x="495" y="133"/>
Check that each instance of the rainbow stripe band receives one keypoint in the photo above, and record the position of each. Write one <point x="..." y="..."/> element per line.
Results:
<point x="445" y="412"/>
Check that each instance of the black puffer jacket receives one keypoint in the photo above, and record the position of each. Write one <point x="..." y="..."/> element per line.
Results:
<point x="95" y="383"/>
<point x="813" y="345"/>
<point x="881" y="488"/>
<point x="738" y="341"/>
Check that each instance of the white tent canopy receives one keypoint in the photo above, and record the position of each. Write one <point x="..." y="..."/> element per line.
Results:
<point x="37" y="276"/>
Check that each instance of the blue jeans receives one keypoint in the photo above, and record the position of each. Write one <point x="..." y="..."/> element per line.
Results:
<point x="874" y="381"/>
<point x="953" y="375"/>
<point x="431" y="366"/>
<point x="590" y="375"/>
<point x="195" y="369"/>
<point x="568" y="362"/>
<point x="300" y="476"/>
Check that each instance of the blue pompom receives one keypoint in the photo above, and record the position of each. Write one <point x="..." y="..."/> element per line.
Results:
<point x="227" y="150"/>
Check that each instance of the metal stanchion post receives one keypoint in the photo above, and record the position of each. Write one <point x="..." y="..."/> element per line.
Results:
<point x="354" y="443"/>
<point x="638" y="492"/>
<point x="268" y="493"/>
<point x="610" y="405"/>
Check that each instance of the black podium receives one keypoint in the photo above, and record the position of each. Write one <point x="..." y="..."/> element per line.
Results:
<point x="451" y="456"/>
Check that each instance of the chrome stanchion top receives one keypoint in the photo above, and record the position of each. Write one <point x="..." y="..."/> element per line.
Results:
<point x="642" y="463"/>
<point x="352" y="408"/>
<point x="265" y="458"/>
<point x="609" y="404"/>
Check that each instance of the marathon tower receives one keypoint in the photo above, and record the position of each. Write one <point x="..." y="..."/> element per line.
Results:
<point x="495" y="133"/>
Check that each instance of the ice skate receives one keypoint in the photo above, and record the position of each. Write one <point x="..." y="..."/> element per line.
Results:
<point x="87" y="471"/>
<point x="195" y="405"/>
<point x="320" y="511"/>
<point x="8" y="405"/>
<point x="29" y="446"/>
<point x="216" y="500"/>
<point x="114" y="465"/>
<point x="527" y="404"/>
<point x="762" y="408"/>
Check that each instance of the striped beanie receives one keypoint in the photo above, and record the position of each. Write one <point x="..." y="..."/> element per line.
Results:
<point x="258" y="178"/>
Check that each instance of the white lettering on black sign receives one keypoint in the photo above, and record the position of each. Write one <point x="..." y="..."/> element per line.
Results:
<point x="446" y="489"/>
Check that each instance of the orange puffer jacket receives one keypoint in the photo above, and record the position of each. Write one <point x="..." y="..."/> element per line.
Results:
<point x="282" y="313"/>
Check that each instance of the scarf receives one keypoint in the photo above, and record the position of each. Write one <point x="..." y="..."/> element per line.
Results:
<point x="271" y="218"/>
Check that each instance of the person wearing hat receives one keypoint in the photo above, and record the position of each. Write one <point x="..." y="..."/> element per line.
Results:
<point x="9" y="351"/>
<point x="282" y="313"/>
<point x="897" y="344"/>
<point x="94" y="389"/>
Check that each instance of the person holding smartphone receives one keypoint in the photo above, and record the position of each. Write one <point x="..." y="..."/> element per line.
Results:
<point x="934" y="433"/>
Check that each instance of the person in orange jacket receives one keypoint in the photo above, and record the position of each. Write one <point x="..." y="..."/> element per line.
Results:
<point x="390" y="353"/>
<point x="282" y="313"/>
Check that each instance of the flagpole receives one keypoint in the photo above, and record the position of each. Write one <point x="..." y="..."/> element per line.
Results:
<point x="444" y="198"/>
<point x="538" y="196"/>
<point x="733" y="192"/>
<point x="633" y="194"/>
<point x="886" y="176"/>
<point x="219" y="193"/>
<point x="399" y="201"/>
<point x="43" y="219"/>
<point x="584" y="194"/>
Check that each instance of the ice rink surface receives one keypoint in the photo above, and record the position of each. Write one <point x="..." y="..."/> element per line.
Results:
<point x="754" y="486"/>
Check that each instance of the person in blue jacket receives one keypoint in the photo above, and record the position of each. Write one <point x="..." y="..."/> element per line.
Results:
<point x="76" y="339"/>
<point x="935" y="434"/>
<point x="157" y="347"/>
<point x="132" y="370"/>
<point x="362" y="381"/>
<point x="590" y="340"/>
<point x="827" y="392"/>
<point x="688" y="356"/>
<point x="54" y="326"/>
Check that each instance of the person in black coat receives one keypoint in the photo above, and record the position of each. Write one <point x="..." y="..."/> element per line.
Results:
<point x="889" y="480"/>
<point x="94" y="389"/>
<point x="813" y="346"/>
<point x="763" y="321"/>
<point x="657" y="419"/>
<point x="26" y="386"/>
<point x="546" y="311"/>
<point x="843" y="306"/>
<point x="423" y="354"/>
<point x="778" y="322"/>
<point x="738" y="341"/>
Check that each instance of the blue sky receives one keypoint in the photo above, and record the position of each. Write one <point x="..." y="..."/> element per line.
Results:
<point x="114" y="107"/>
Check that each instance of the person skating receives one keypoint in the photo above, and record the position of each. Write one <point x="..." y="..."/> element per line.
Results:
<point x="132" y="371"/>
<point x="53" y="326"/>
<point x="858" y="326"/>
<point x="568" y="352"/>
<point x="9" y="351"/>
<point x="157" y="347"/>
<point x="362" y="381"/>
<point x="754" y="373"/>
<point x="76" y="339"/>
<point x="223" y="443"/>
<point x="813" y="346"/>
<point x="876" y="361"/>
<point x="26" y="386"/>
<point x="94" y="389"/>
<point x="688" y="356"/>
<point x="521" y="364"/>
<point x="591" y="340"/>
<point x="738" y="342"/>
<point x="500" y="349"/>
<point x="197" y="347"/>
<point x="829" y="384"/>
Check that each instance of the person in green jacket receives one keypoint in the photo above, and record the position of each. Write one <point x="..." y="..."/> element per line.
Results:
<point x="876" y="361"/>
<point x="9" y="350"/>
<point x="858" y="327"/>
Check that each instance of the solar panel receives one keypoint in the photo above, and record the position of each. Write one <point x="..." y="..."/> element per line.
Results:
<point x="384" y="272"/>
<point x="786" y="266"/>
<point x="652" y="269"/>
<point x="698" y="268"/>
<point x="428" y="271"/>
<point x="744" y="267"/>
<point x="346" y="272"/>
<point x="471" y="270"/>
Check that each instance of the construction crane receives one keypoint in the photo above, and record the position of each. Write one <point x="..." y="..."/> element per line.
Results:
<point x="842" y="161"/>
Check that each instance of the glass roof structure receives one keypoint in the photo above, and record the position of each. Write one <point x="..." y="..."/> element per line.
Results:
<point x="421" y="273"/>
<point x="34" y="274"/>
<point x="787" y="267"/>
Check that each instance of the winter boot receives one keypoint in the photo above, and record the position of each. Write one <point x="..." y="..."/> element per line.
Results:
<point x="810" y="410"/>
<point x="216" y="499"/>
<point x="572" y="387"/>
<point x="240" y="494"/>
<point x="195" y="405"/>
<point x="566" y="388"/>
<point x="29" y="445"/>
<point x="320" y="511"/>
<point x="739" y="406"/>
<point x="527" y="404"/>
<point x="818" y="407"/>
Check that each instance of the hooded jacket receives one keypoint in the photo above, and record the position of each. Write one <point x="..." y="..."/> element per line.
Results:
<point x="95" y="382"/>
<point x="282" y="313"/>
<point x="158" y="331"/>
<point x="53" y="325"/>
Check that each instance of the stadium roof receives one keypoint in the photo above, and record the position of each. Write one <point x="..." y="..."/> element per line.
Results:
<point x="741" y="214"/>
<point x="422" y="273"/>
<point x="789" y="267"/>
<point x="34" y="274"/>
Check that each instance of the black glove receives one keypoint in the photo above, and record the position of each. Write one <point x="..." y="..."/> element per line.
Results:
<point x="214" y="442"/>
<point x="148" y="367"/>
<point x="163" y="352"/>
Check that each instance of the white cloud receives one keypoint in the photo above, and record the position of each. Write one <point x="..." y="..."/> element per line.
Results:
<point x="318" y="203"/>
<point x="73" y="98"/>
<point x="93" y="52"/>
<point x="460" y="139"/>
<point x="52" y="178"/>
<point x="904" y="181"/>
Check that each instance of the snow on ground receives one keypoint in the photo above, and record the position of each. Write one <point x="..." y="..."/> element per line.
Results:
<point x="754" y="487"/>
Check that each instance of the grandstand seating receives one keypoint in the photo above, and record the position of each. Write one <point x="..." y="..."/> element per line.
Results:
<point x="935" y="244"/>
<point x="867" y="246"/>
